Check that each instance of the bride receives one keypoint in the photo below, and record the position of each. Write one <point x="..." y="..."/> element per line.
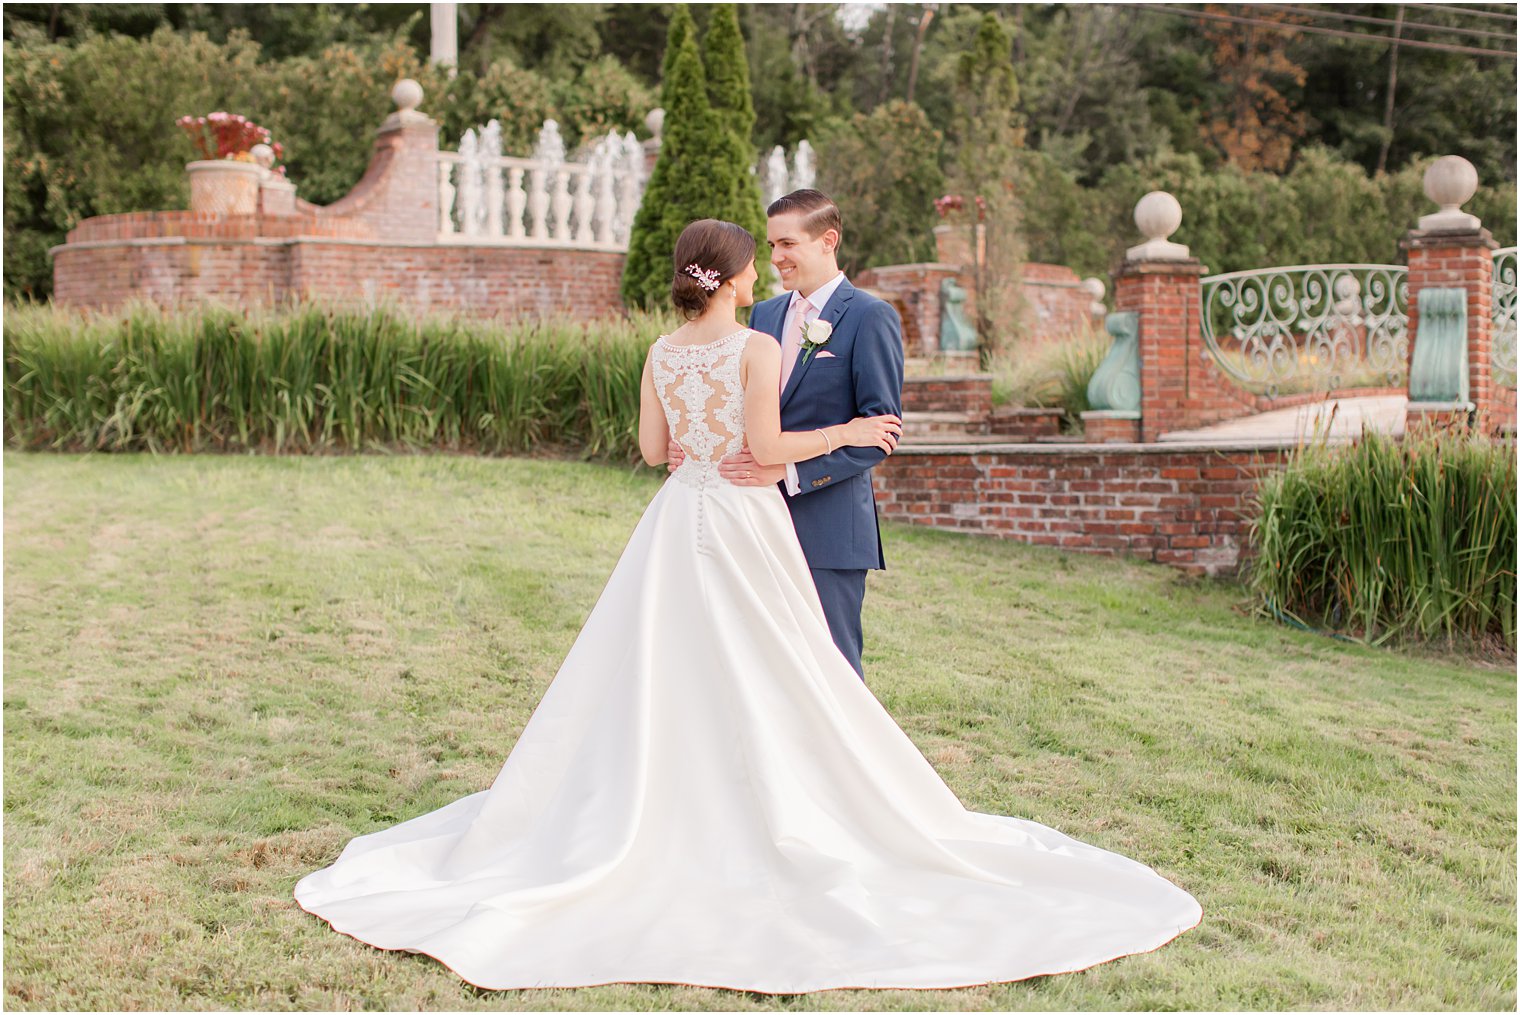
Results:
<point x="707" y="794"/>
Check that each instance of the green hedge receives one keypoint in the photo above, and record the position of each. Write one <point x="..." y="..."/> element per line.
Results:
<point x="310" y="378"/>
<point x="1325" y="210"/>
<point x="1392" y="540"/>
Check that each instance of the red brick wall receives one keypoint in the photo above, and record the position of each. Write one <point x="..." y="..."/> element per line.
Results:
<point x="1056" y="306"/>
<point x="488" y="281"/>
<point x="105" y="276"/>
<point x="970" y="394"/>
<point x="914" y="290"/>
<point x="1184" y="505"/>
<point x="378" y="242"/>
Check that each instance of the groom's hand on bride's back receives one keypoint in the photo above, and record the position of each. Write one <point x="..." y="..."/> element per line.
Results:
<point x="741" y="469"/>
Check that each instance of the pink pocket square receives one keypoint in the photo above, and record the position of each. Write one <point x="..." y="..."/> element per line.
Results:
<point x="825" y="354"/>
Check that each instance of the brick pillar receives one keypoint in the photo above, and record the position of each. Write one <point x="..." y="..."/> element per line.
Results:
<point x="398" y="195"/>
<point x="1182" y="387"/>
<point x="1450" y="249"/>
<point x="1453" y="259"/>
<point x="1166" y="295"/>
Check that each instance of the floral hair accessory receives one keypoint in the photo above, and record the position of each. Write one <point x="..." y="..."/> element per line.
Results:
<point x="707" y="279"/>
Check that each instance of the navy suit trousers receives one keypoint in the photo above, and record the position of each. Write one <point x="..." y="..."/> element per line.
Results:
<point x="842" y="593"/>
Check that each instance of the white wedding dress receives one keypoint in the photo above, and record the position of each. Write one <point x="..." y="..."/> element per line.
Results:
<point x="707" y="794"/>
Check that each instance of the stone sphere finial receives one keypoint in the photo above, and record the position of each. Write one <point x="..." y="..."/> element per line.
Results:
<point x="655" y="121"/>
<point x="262" y="154"/>
<point x="1094" y="288"/>
<point x="407" y="94"/>
<point x="1158" y="215"/>
<point x="1450" y="182"/>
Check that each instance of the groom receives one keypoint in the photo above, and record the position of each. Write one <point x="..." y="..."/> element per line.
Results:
<point x="828" y="375"/>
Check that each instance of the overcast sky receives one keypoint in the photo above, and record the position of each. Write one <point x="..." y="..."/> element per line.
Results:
<point x="853" y="16"/>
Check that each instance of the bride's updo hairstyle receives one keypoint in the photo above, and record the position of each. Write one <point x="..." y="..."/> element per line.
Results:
<point x="719" y="250"/>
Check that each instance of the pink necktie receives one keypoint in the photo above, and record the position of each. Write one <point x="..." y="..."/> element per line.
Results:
<point x="792" y="341"/>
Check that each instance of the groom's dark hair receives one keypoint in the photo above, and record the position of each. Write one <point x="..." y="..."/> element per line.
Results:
<point x="819" y="210"/>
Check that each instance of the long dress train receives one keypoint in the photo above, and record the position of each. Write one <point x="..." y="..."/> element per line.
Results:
<point x="707" y="793"/>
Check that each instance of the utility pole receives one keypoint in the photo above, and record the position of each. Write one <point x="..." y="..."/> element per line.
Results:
<point x="1393" y="84"/>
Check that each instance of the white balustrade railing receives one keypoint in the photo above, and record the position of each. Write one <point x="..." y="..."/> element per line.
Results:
<point x="1309" y="327"/>
<point x="1503" y="309"/>
<point x="485" y="197"/>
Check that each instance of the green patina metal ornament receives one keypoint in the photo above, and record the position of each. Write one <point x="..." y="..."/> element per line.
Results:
<point x="955" y="332"/>
<point x="1438" y="367"/>
<point x="1115" y="385"/>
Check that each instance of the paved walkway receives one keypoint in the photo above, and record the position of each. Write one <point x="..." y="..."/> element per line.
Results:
<point x="1383" y="413"/>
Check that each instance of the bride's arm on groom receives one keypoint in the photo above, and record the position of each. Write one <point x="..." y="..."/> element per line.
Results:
<point x="877" y="376"/>
<point x="759" y="371"/>
<point x="654" y="431"/>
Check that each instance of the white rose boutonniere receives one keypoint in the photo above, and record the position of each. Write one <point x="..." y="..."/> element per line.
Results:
<point x="815" y="334"/>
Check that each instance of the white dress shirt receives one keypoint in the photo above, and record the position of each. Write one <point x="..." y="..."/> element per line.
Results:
<point x="817" y="300"/>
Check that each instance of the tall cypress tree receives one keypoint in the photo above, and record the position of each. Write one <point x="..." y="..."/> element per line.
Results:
<point x="680" y="29"/>
<point x="691" y="177"/>
<point x="728" y="71"/>
<point x="729" y="92"/>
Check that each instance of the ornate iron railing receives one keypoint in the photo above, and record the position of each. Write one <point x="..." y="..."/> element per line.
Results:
<point x="1503" y="308"/>
<point x="1311" y="327"/>
<point x="487" y="197"/>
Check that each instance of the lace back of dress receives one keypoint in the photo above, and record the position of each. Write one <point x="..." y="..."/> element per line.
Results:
<point x="700" y="392"/>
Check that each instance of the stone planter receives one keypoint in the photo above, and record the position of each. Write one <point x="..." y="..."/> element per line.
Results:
<point x="225" y="186"/>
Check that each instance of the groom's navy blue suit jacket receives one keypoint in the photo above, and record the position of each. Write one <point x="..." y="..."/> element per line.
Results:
<point x="835" y="511"/>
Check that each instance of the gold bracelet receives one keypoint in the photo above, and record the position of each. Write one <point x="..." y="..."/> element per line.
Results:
<point x="827" y="443"/>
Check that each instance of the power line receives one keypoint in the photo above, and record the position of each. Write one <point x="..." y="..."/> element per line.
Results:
<point x="1315" y="30"/>
<point x="1362" y="18"/>
<point x="1465" y="10"/>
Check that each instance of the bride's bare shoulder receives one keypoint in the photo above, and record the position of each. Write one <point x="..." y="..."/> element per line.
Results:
<point x="760" y="342"/>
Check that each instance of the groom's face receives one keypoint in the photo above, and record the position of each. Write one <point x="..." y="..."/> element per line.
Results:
<point x="803" y="261"/>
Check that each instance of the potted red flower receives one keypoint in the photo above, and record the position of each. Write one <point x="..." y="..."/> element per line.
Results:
<point x="227" y="177"/>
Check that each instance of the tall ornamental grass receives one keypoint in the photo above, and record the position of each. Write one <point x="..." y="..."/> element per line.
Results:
<point x="309" y="378"/>
<point x="1392" y="540"/>
<point x="1050" y="374"/>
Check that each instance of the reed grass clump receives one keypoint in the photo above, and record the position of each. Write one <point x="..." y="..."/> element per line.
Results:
<point x="1050" y="374"/>
<point x="1392" y="541"/>
<point x="311" y="378"/>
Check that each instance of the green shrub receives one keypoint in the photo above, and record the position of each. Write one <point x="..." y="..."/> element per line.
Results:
<point x="602" y="97"/>
<point x="309" y="378"/>
<point x="1392" y="541"/>
<point x="883" y="170"/>
<point x="1325" y="210"/>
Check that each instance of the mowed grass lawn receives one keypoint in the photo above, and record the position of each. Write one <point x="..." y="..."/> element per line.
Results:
<point x="220" y="669"/>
